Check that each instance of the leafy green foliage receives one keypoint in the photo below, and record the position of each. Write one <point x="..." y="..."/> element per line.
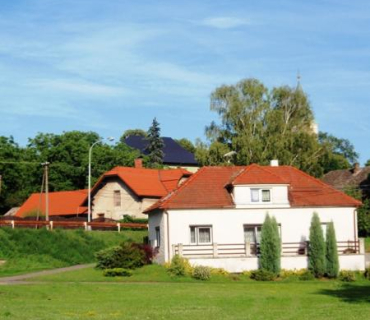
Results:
<point x="347" y="276"/>
<point x="262" y="275"/>
<point x="363" y="212"/>
<point x="132" y="132"/>
<point x="179" y="266"/>
<point x="68" y="156"/>
<point x="127" y="256"/>
<point x="307" y="276"/>
<point x="155" y="144"/>
<point x="270" y="246"/>
<point x="316" y="248"/>
<point x="332" y="261"/>
<point x="367" y="273"/>
<point x="261" y="124"/>
<point x="186" y="144"/>
<point x="117" y="272"/>
<point x="201" y="273"/>
<point x="130" y="219"/>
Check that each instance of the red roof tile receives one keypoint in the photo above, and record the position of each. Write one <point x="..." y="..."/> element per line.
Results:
<point x="209" y="188"/>
<point x="61" y="203"/>
<point x="255" y="174"/>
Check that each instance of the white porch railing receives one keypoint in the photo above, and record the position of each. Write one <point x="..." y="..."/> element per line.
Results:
<point x="249" y="249"/>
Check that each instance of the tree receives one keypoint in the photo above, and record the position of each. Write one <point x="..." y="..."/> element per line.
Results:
<point x="367" y="164"/>
<point x="186" y="144"/>
<point x="261" y="124"/>
<point x="155" y="144"/>
<point x="332" y="261"/>
<point x="270" y="246"/>
<point x="316" y="247"/>
<point x="363" y="212"/>
<point x="132" y="132"/>
<point x="338" y="153"/>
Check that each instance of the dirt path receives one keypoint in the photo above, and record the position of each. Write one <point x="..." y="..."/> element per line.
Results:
<point x="19" y="279"/>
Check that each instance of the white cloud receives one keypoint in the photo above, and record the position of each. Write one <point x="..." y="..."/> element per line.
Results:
<point x="225" y="22"/>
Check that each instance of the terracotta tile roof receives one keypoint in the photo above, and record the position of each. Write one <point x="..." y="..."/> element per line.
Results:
<point x="255" y="174"/>
<point x="62" y="203"/>
<point x="210" y="188"/>
<point x="147" y="182"/>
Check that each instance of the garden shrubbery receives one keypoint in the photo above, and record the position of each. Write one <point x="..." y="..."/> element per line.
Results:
<point x="262" y="275"/>
<point x="179" y="266"/>
<point x="201" y="273"/>
<point x="126" y="255"/>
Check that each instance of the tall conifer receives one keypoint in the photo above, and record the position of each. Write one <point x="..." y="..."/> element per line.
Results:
<point x="316" y="247"/>
<point x="332" y="261"/>
<point x="155" y="144"/>
<point x="270" y="247"/>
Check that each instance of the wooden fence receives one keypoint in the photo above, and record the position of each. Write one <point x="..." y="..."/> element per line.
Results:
<point x="94" y="225"/>
<point x="249" y="249"/>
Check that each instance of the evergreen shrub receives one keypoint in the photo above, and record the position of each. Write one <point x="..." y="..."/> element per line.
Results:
<point x="316" y="248"/>
<point x="270" y="247"/>
<point x="179" y="266"/>
<point x="332" y="261"/>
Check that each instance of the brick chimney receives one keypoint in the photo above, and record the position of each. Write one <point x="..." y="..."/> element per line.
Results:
<point x="138" y="163"/>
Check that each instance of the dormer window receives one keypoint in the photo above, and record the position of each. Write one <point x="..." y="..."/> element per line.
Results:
<point x="260" y="195"/>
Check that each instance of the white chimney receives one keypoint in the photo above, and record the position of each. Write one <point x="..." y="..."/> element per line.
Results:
<point x="274" y="163"/>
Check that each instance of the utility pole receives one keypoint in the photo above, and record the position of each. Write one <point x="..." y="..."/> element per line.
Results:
<point x="46" y="174"/>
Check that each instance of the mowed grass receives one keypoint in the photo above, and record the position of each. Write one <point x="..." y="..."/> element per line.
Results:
<point x="192" y="300"/>
<point x="27" y="250"/>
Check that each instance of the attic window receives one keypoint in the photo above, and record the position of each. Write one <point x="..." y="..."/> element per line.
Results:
<point x="260" y="195"/>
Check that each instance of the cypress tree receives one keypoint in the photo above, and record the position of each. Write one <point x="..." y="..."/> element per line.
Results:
<point x="155" y="144"/>
<point x="316" y="262"/>
<point x="332" y="261"/>
<point x="270" y="247"/>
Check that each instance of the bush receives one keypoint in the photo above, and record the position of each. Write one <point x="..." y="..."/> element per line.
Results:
<point x="219" y="271"/>
<point x="347" y="276"/>
<point x="306" y="276"/>
<point x="367" y="273"/>
<point x="127" y="255"/>
<point x="148" y="251"/>
<point x="117" y="272"/>
<point x="270" y="246"/>
<point x="316" y="248"/>
<point x="201" y="273"/>
<point x="262" y="275"/>
<point x="284" y="273"/>
<point x="179" y="266"/>
<point x="130" y="219"/>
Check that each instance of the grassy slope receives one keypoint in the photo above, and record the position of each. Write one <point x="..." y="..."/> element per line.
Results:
<point x="367" y="244"/>
<point x="27" y="250"/>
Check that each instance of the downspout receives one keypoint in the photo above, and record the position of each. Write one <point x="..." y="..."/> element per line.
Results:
<point x="168" y="236"/>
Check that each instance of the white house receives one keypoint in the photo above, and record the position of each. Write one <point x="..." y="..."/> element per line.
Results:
<point x="215" y="217"/>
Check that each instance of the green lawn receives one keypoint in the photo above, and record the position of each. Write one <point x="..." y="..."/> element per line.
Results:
<point x="367" y="244"/>
<point x="199" y="300"/>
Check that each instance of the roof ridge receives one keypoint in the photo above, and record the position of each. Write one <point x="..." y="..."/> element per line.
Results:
<point x="324" y="184"/>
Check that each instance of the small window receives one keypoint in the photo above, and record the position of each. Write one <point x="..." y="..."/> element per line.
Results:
<point x="117" y="198"/>
<point x="255" y="195"/>
<point x="157" y="237"/>
<point x="252" y="233"/>
<point x="266" y="196"/>
<point x="200" y="234"/>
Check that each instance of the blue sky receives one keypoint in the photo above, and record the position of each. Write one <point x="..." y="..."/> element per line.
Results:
<point x="108" y="66"/>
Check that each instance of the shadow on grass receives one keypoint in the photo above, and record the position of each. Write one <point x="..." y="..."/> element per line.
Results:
<point x="349" y="293"/>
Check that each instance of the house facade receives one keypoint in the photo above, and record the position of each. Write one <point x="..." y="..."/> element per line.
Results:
<point x="215" y="217"/>
<point x="129" y="191"/>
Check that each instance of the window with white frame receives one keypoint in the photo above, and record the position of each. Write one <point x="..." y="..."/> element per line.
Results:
<point x="252" y="233"/>
<point x="260" y="195"/>
<point x="157" y="237"/>
<point x="200" y="234"/>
